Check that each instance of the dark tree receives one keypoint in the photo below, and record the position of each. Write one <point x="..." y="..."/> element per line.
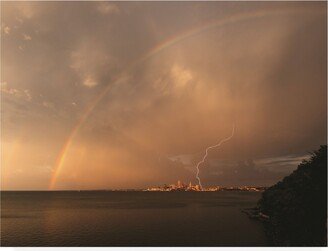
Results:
<point x="297" y="205"/>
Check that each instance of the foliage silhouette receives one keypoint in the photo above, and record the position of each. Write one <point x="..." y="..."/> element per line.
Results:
<point x="297" y="205"/>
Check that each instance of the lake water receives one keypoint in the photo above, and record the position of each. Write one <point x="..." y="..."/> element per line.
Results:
<point x="129" y="219"/>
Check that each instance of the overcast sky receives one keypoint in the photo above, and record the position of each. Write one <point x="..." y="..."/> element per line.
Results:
<point x="129" y="94"/>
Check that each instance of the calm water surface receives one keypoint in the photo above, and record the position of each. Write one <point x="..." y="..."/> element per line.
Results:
<point x="129" y="219"/>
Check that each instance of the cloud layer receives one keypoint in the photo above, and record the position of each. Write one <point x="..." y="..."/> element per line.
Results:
<point x="266" y="74"/>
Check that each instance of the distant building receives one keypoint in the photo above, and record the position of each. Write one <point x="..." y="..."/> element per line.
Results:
<point x="183" y="187"/>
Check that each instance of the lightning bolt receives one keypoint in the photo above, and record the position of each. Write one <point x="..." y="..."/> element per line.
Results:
<point x="206" y="153"/>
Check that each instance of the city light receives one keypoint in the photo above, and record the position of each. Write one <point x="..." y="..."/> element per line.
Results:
<point x="180" y="186"/>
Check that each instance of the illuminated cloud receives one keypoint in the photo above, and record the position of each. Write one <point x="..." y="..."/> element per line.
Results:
<point x="48" y="104"/>
<point x="28" y="95"/>
<point x="6" y="30"/>
<point x="26" y="10"/>
<point x="91" y="62"/>
<point x="3" y="84"/>
<point x="89" y="82"/>
<point x="18" y="93"/>
<point x="27" y="37"/>
<point x="107" y="8"/>
<point x="181" y="76"/>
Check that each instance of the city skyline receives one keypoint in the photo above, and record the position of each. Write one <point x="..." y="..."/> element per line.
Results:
<point x="180" y="186"/>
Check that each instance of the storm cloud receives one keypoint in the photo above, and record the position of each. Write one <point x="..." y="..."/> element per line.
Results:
<point x="145" y="87"/>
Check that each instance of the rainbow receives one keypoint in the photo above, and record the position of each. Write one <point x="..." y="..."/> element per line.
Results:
<point x="154" y="51"/>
